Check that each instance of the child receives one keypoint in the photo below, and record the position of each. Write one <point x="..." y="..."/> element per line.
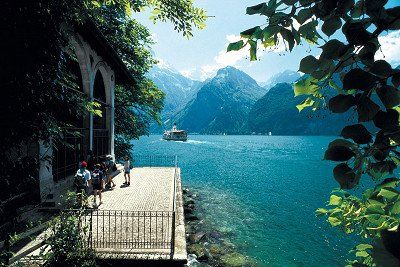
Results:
<point x="127" y="171"/>
<point x="97" y="183"/>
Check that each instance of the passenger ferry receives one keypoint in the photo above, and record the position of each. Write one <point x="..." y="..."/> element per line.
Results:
<point x="175" y="135"/>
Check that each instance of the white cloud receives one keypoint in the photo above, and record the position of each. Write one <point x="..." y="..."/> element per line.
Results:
<point x="189" y="73"/>
<point x="164" y="64"/>
<point x="236" y="59"/>
<point x="390" y="48"/>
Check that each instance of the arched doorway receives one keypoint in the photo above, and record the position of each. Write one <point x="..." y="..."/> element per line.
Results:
<point x="68" y="152"/>
<point x="100" y="129"/>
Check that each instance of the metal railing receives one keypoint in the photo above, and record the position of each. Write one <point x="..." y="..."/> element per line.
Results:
<point x="135" y="231"/>
<point x="128" y="230"/>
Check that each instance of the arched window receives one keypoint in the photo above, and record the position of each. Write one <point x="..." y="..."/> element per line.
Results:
<point x="100" y="132"/>
<point x="99" y="90"/>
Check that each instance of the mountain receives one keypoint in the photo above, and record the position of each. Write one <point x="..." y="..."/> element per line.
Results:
<point x="178" y="89"/>
<point x="276" y="112"/>
<point x="222" y="104"/>
<point x="287" y="76"/>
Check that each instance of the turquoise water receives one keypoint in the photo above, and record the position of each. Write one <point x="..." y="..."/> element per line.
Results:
<point x="264" y="190"/>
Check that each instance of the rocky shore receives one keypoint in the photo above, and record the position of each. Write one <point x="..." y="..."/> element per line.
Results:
<point x="207" y="246"/>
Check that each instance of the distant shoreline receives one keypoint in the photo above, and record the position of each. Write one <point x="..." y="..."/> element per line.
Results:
<point x="207" y="134"/>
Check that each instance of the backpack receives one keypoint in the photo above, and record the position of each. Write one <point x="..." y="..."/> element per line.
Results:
<point x="79" y="180"/>
<point x="97" y="176"/>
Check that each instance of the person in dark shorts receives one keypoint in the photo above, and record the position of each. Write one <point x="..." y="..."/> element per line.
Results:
<point x="127" y="171"/>
<point x="97" y="183"/>
<point x="81" y="183"/>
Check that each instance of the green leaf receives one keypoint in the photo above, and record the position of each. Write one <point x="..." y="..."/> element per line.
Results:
<point x="381" y="68"/>
<point x="338" y="153"/>
<point x="366" y="109"/>
<point x="270" y="31"/>
<point x="341" y="103"/>
<point x="342" y="142"/>
<point x="388" y="193"/>
<point x="309" y="64"/>
<point x="308" y="102"/>
<point x="386" y="120"/>
<point x="334" y="221"/>
<point x="358" y="133"/>
<point x="389" y="96"/>
<point x="288" y="37"/>
<point x="356" y="32"/>
<point x="306" y="86"/>
<point x="396" y="208"/>
<point x="304" y="15"/>
<point x="396" y="79"/>
<point x="335" y="200"/>
<point x="321" y="211"/>
<point x="362" y="254"/>
<point x="308" y="31"/>
<point x="345" y="176"/>
<point x="253" y="50"/>
<point x="359" y="79"/>
<point x="332" y="49"/>
<point x="364" y="247"/>
<point x="289" y="2"/>
<point x="379" y="170"/>
<point x="249" y="32"/>
<point x="388" y="182"/>
<point x="235" y="46"/>
<point x="375" y="209"/>
<point x="257" y="9"/>
<point x="331" y="25"/>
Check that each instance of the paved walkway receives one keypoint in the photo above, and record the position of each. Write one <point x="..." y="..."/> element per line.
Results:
<point x="135" y="219"/>
<point x="137" y="222"/>
<point x="151" y="189"/>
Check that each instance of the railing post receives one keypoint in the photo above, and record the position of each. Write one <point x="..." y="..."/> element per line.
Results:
<point x="173" y="235"/>
<point x="90" y="229"/>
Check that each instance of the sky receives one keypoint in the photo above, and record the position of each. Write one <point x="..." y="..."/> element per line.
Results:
<point x="201" y="56"/>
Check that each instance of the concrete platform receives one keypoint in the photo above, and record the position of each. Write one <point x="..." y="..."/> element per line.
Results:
<point x="143" y="222"/>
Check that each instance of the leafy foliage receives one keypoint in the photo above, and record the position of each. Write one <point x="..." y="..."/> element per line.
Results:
<point x="67" y="242"/>
<point x="366" y="86"/>
<point x="37" y="82"/>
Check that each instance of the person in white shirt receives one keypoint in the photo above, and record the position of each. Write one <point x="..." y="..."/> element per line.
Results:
<point x="127" y="171"/>
<point x="81" y="183"/>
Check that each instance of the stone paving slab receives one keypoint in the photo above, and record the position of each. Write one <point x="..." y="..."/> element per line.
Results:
<point x="151" y="189"/>
<point x="140" y="225"/>
<point x="135" y="218"/>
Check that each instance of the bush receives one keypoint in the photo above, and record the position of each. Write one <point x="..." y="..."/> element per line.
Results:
<point x="68" y="243"/>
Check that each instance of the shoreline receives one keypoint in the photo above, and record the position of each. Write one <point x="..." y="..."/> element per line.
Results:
<point x="207" y="246"/>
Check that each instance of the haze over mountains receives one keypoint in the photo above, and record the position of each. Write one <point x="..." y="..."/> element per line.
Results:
<point x="233" y="103"/>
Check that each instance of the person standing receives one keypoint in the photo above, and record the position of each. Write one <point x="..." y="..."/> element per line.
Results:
<point x="109" y="165"/>
<point x="97" y="183"/>
<point x="127" y="171"/>
<point x="81" y="183"/>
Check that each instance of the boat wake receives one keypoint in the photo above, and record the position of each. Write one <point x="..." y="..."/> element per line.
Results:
<point x="197" y="142"/>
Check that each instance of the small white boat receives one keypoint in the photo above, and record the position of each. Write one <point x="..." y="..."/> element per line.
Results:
<point x="175" y="135"/>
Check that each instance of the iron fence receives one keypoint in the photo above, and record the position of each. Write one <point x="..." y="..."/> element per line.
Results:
<point x="137" y="231"/>
<point x="121" y="229"/>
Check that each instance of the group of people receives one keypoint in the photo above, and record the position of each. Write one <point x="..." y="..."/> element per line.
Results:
<point x="98" y="177"/>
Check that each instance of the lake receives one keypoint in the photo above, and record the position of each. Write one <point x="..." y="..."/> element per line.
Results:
<point x="265" y="190"/>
